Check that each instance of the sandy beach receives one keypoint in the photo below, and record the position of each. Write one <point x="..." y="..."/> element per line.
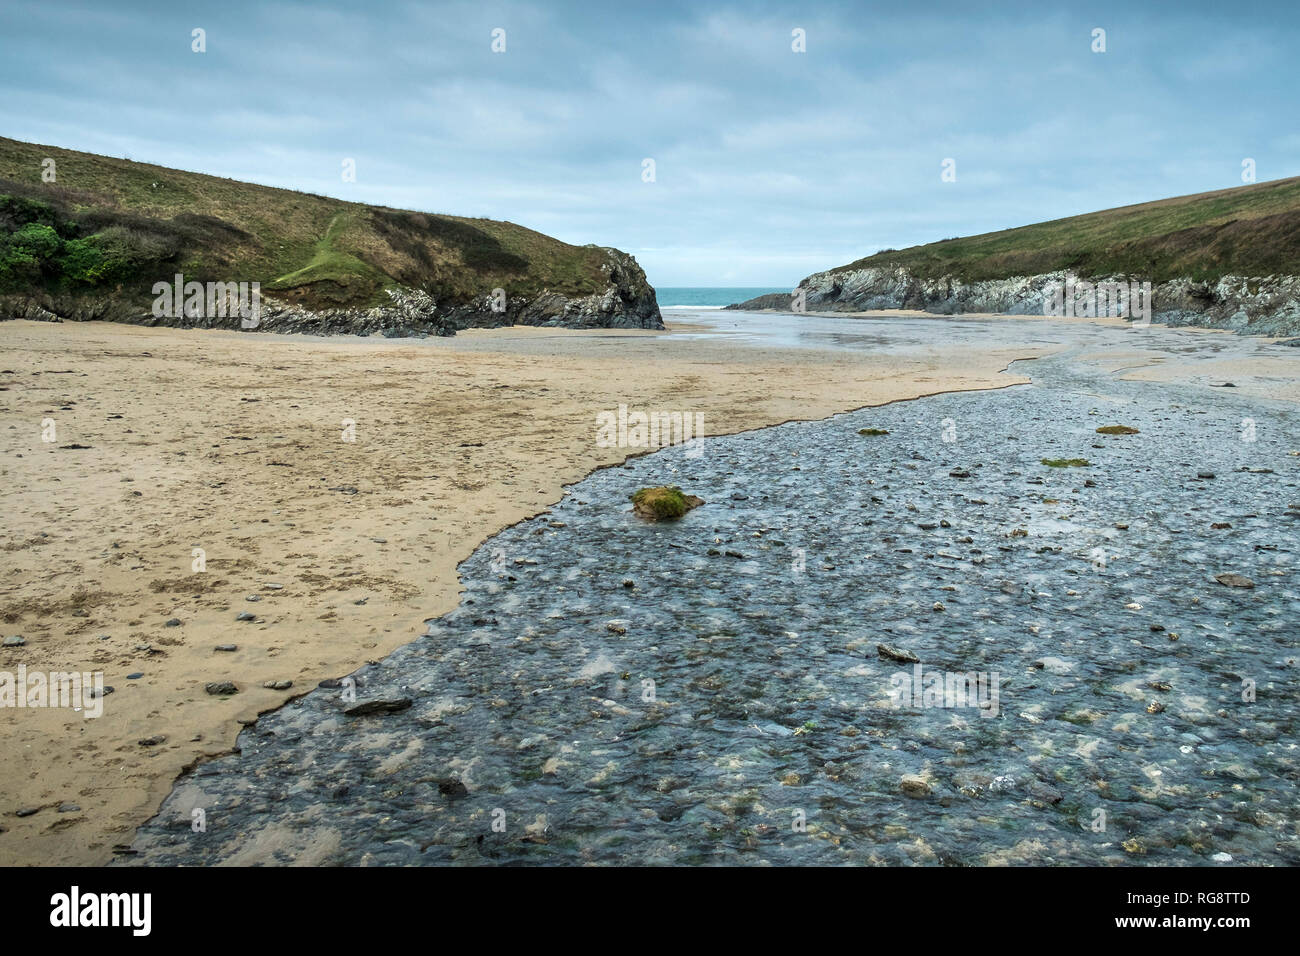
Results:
<point x="168" y="441"/>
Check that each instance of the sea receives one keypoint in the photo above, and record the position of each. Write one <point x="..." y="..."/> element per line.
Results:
<point x="710" y="297"/>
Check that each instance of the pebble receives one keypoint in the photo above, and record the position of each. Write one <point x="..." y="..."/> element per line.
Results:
<point x="390" y="705"/>
<point x="228" y="648"/>
<point x="914" y="786"/>
<point x="896" y="654"/>
<point x="278" y="684"/>
<point x="16" y="641"/>
<point x="1234" y="581"/>
<point x="172" y="622"/>
<point x="217" y="688"/>
<point x="246" y="616"/>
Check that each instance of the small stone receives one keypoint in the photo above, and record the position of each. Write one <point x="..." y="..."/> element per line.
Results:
<point x="895" y="654"/>
<point x="278" y="684"/>
<point x="28" y="811"/>
<point x="227" y="648"/>
<point x="246" y="616"/>
<point x="914" y="786"/>
<point x="16" y="641"/>
<point x="390" y="705"/>
<point x="1234" y="581"/>
<point x="217" y="688"/>
<point x="616" y="627"/>
<point x="153" y="741"/>
<point x="452" y="788"/>
<point x="629" y="583"/>
<point x="172" y="622"/>
<point x="69" y="808"/>
<point x="1155" y="707"/>
<point x="1045" y="793"/>
<point x="135" y="676"/>
<point x="938" y="606"/>
<point x="1222" y="858"/>
<point x="1220" y="525"/>
<point x="1205" y="474"/>
<point x="253" y="597"/>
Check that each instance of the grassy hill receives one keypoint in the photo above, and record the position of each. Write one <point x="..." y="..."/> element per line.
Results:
<point x="113" y="227"/>
<point x="1245" y="231"/>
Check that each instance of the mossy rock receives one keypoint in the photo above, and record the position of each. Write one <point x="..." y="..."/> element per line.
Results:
<point x="1117" y="430"/>
<point x="873" y="431"/>
<point x="1066" y="462"/>
<point x="666" y="503"/>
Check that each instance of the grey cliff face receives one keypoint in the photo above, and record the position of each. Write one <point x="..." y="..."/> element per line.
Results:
<point x="1263" y="306"/>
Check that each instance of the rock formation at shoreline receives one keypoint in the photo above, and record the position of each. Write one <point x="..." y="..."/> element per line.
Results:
<point x="93" y="242"/>
<point x="1263" y="306"/>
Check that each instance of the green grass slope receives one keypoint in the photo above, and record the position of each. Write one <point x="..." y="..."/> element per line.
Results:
<point x="1245" y="231"/>
<point x="114" y="227"/>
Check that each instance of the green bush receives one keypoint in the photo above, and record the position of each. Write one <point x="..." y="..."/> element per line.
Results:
<point x="82" y="260"/>
<point x="35" y="240"/>
<point x="26" y="255"/>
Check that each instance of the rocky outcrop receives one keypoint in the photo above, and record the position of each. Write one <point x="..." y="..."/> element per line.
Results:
<point x="627" y="302"/>
<point x="1265" y="306"/>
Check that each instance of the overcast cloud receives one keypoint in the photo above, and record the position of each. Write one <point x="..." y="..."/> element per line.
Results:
<point x="769" y="164"/>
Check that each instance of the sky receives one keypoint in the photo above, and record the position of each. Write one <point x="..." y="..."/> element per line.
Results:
<point x="768" y="164"/>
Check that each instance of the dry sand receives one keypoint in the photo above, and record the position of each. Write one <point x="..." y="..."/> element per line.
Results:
<point x="233" y="443"/>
